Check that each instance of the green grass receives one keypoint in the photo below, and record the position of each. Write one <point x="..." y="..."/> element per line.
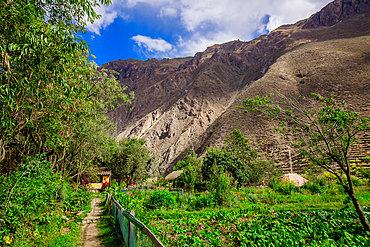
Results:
<point x="108" y="234"/>
<point x="68" y="236"/>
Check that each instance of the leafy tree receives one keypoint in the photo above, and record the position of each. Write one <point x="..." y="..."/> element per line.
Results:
<point x="229" y="163"/>
<point x="52" y="97"/>
<point x="53" y="101"/>
<point x="33" y="196"/>
<point x="240" y="160"/>
<point x="237" y="144"/>
<point x="130" y="160"/>
<point x="325" y="131"/>
<point x="192" y="172"/>
<point x="256" y="168"/>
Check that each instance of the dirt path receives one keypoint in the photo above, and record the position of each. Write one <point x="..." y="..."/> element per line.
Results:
<point x="89" y="228"/>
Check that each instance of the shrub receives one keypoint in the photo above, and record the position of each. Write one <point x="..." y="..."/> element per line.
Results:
<point x="332" y="190"/>
<point x="185" y="201"/>
<point x="363" y="173"/>
<point x="274" y="183"/>
<point x="287" y="188"/>
<point x="129" y="162"/>
<point x="161" y="182"/>
<point x="77" y="199"/>
<point x="283" y="187"/>
<point x="366" y="159"/>
<point x="219" y="186"/>
<point x="191" y="177"/>
<point x="226" y="161"/>
<point x="356" y="181"/>
<point x="253" y="198"/>
<point x="204" y="200"/>
<point x="314" y="187"/>
<point x="161" y="198"/>
<point x="272" y="198"/>
<point x="30" y="196"/>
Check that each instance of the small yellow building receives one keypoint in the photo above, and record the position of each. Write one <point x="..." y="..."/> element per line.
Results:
<point x="104" y="175"/>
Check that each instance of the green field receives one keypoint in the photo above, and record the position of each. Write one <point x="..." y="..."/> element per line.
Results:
<point x="254" y="217"/>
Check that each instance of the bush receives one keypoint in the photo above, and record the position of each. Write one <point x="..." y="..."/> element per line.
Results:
<point x="204" y="201"/>
<point x="161" y="182"/>
<point x="329" y="177"/>
<point x="77" y="199"/>
<point x="219" y="186"/>
<point x="161" y="198"/>
<point x="185" y="201"/>
<point x="363" y="173"/>
<point x="274" y="183"/>
<point x="356" y="181"/>
<point x="272" y="198"/>
<point x="333" y="190"/>
<point x="287" y="188"/>
<point x="115" y="189"/>
<point x="313" y="187"/>
<point x="283" y="187"/>
<point x="366" y="159"/>
<point x="191" y="178"/>
<point x="30" y="196"/>
<point x="226" y="161"/>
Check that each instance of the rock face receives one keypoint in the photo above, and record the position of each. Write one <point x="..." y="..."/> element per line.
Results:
<point x="192" y="102"/>
<point x="335" y="12"/>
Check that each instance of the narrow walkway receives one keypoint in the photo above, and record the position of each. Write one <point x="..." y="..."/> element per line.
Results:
<point x="89" y="228"/>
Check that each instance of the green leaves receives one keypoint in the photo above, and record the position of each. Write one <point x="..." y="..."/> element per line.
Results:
<point x="324" y="132"/>
<point x="129" y="161"/>
<point x="53" y="99"/>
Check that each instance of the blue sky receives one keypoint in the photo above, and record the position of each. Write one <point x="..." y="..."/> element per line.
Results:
<point x="144" y="29"/>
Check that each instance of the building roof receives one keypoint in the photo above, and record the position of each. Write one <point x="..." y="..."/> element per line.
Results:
<point x="103" y="171"/>
<point x="295" y="178"/>
<point x="173" y="175"/>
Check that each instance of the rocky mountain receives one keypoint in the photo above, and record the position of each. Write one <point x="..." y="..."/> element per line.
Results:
<point x="192" y="102"/>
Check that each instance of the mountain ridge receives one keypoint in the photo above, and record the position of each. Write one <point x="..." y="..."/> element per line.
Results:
<point x="187" y="102"/>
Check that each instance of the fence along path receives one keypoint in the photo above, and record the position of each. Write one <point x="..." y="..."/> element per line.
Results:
<point x="134" y="233"/>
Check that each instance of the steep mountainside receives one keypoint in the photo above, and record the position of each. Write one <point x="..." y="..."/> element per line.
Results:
<point x="191" y="102"/>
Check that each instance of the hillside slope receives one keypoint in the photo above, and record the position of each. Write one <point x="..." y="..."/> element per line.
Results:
<point x="191" y="102"/>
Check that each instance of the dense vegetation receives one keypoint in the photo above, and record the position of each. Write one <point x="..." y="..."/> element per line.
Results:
<point x="53" y="128"/>
<point x="53" y="131"/>
<point x="281" y="214"/>
<point x="236" y="162"/>
<point x="37" y="203"/>
<point x="223" y="206"/>
<point x="129" y="160"/>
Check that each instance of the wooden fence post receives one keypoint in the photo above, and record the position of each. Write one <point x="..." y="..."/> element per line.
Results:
<point x="131" y="229"/>
<point x="134" y="223"/>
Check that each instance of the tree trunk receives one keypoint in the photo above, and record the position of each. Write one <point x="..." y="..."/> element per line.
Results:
<point x="359" y="211"/>
<point x="351" y="193"/>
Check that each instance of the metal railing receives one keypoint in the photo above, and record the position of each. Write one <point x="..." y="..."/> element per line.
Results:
<point x="134" y="233"/>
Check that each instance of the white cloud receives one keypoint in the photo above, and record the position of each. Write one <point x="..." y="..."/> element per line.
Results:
<point x="133" y="3"/>
<point x="168" y="11"/>
<point x="198" y="42"/>
<point x="206" y="22"/>
<point x="107" y="18"/>
<point x="152" y="45"/>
